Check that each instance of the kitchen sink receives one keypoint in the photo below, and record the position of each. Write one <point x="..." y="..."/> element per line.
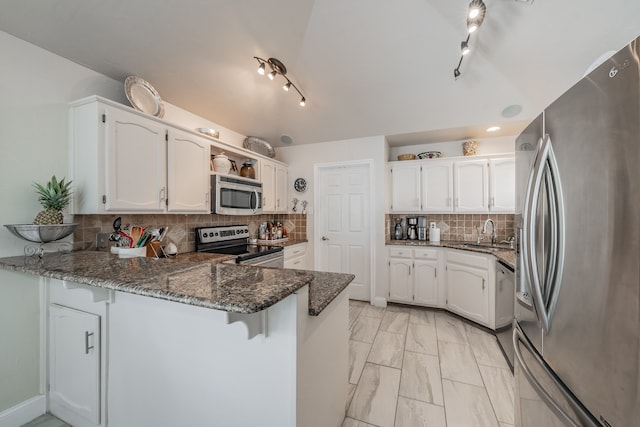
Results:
<point x="483" y="247"/>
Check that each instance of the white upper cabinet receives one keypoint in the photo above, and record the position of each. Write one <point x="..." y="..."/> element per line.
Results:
<point x="282" y="190"/>
<point x="125" y="161"/>
<point x="268" y="178"/>
<point x="502" y="185"/>
<point x="477" y="185"/>
<point x="437" y="187"/>
<point x="274" y="177"/>
<point x="405" y="188"/>
<point x="188" y="173"/>
<point x="471" y="186"/>
<point x="135" y="178"/>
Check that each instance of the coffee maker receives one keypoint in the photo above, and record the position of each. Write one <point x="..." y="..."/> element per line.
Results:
<point x="412" y="232"/>
<point x="422" y="228"/>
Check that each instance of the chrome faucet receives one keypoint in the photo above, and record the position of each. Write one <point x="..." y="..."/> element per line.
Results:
<point x="493" y="232"/>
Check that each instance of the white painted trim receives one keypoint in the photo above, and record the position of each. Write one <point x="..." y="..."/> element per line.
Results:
<point x="372" y="228"/>
<point x="44" y="348"/>
<point x="379" y="302"/>
<point x="23" y="412"/>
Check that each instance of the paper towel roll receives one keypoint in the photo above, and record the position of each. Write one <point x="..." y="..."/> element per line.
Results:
<point x="434" y="234"/>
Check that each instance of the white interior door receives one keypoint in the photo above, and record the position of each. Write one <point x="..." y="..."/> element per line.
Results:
<point x="343" y="241"/>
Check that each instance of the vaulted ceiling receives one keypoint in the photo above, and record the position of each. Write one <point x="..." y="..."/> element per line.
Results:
<point x="366" y="67"/>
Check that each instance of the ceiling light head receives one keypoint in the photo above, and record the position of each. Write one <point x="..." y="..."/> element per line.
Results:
<point x="287" y="87"/>
<point x="493" y="129"/>
<point x="456" y="73"/>
<point x="272" y="75"/>
<point x="477" y="8"/>
<point x="261" y="69"/>
<point x="303" y="102"/>
<point x="472" y="25"/>
<point x="464" y="48"/>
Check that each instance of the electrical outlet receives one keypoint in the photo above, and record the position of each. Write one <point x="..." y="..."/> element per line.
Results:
<point x="102" y="240"/>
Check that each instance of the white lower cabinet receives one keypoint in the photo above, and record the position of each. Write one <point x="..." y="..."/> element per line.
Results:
<point x="295" y="256"/>
<point x="470" y="283"/>
<point x="467" y="288"/>
<point x="74" y="362"/>
<point x="413" y="275"/>
<point x="77" y="352"/>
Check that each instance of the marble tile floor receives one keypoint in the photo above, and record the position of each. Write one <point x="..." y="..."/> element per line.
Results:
<point x="416" y="367"/>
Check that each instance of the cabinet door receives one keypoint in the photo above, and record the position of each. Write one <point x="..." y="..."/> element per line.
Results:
<point x="425" y="282"/>
<point x="282" y="177"/>
<point x="136" y="163"/>
<point x="502" y="186"/>
<point x="188" y="174"/>
<point x="268" y="178"/>
<point x="405" y="188"/>
<point x="400" y="283"/>
<point x="468" y="292"/>
<point x="74" y="362"/>
<point x="437" y="187"/>
<point x="471" y="186"/>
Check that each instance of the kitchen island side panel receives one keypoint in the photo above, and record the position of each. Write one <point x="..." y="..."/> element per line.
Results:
<point x="173" y="364"/>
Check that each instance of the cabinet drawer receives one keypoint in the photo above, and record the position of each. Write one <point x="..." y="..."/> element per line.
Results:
<point x="425" y="253"/>
<point x="466" y="258"/>
<point x="295" y="250"/>
<point x="400" y="252"/>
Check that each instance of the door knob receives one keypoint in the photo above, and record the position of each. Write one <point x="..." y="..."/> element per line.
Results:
<point x="325" y="238"/>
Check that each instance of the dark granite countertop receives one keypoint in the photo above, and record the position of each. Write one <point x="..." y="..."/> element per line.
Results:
<point x="289" y="242"/>
<point x="195" y="279"/>
<point x="324" y="288"/>
<point x="507" y="256"/>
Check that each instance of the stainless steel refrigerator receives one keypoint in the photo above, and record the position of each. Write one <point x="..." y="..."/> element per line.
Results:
<point x="577" y="331"/>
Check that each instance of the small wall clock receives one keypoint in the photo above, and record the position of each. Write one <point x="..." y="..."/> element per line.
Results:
<point x="300" y="185"/>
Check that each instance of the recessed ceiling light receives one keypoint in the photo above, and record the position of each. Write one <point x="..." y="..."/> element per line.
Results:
<point x="493" y="129"/>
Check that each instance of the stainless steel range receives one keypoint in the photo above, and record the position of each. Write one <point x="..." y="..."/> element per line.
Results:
<point x="233" y="240"/>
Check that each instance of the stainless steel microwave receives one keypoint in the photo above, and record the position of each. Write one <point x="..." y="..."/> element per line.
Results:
<point x="234" y="195"/>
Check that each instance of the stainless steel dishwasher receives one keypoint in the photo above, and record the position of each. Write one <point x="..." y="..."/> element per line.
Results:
<point x="505" y="300"/>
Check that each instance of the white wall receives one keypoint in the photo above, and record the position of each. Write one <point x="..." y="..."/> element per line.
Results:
<point x="498" y="145"/>
<point x="301" y="160"/>
<point x="35" y="88"/>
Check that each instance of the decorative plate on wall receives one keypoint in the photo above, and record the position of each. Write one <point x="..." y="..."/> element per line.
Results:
<point x="300" y="185"/>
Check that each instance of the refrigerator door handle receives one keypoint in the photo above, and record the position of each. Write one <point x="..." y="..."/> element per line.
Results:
<point x="545" y="166"/>
<point x="585" y="419"/>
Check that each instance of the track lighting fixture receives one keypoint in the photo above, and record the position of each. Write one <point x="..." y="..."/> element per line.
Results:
<point x="277" y="67"/>
<point x="475" y="17"/>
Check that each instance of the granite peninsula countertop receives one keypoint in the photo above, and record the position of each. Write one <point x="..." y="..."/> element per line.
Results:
<point x="508" y="257"/>
<point x="197" y="279"/>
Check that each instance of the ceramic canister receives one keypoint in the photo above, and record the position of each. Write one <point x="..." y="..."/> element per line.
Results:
<point x="221" y="163"/>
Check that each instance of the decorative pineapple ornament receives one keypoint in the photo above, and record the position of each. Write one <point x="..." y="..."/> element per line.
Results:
<point x="54" y="198"/>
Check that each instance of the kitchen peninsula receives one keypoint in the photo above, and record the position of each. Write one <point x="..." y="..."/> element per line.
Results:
<point x="191" y="341"/>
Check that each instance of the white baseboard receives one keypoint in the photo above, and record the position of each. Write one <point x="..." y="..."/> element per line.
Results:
<point x="23" y="412"/>
<point x="379" y="302"/>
